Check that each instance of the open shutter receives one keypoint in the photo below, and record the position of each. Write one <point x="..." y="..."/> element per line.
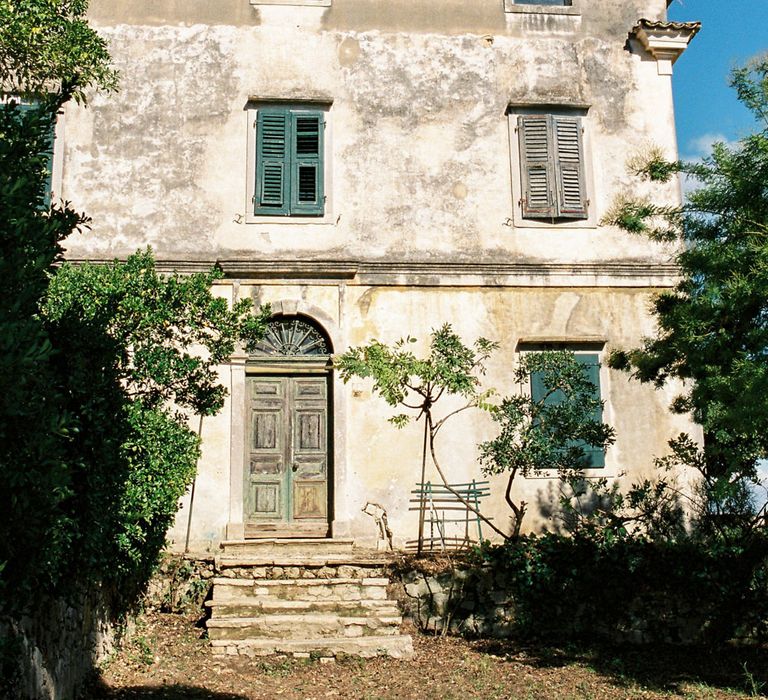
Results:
<point x="307" y="163"/>
<point x="569" y="168"/>
<point x="535" y="136"/>
<point x="272" y="162"/>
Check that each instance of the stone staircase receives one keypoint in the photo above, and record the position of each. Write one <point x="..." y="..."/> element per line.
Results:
<point x="304" y="598"/>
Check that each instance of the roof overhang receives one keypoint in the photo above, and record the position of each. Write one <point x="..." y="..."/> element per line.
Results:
<point x="665" y="41"/>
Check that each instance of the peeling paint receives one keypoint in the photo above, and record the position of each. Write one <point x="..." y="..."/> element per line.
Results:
<point x="422" y="223"/>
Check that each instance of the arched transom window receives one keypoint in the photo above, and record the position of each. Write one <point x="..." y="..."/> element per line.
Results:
<point x="292" y="336"/>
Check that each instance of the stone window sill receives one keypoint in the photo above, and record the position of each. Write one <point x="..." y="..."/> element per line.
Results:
<point x="308" y="3"/>
<point x="511" y="6"/>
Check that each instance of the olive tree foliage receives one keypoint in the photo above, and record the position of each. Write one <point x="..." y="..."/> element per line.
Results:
<point x="404" y="380"/>
<point x="541" y="434"/>
<point x="713" y="325"/>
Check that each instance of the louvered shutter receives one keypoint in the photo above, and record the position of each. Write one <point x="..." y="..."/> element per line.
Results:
<point x="272" y="162"/>
<point x="534" y="134"/>
<point x="569" y="168"/>
<point x="22" y="108"/>
<point x="307" y="163"/>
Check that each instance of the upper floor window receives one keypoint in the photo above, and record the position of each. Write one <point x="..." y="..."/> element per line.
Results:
<point x="22" y="110"/>
<point x="552" y="168"/>
<point x="289" y="178"/>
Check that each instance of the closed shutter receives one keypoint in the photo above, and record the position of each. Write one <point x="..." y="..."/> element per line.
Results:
<point x="20" y="110"/>
<point x="307" y="166"/>
<point x="535" y="139"/>
<point x="569" y="168"/>
<point x="591" y="366"/>
<point x="272" y="162"/>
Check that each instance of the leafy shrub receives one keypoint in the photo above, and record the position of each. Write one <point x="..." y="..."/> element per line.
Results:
<point x="133" y="355"/>
<point x="577" y="587"/>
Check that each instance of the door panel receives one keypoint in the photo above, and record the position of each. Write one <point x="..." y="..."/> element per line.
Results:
<point x="309" y="499"/>
<point x="288" y="451"/>
<point x="266" y="499"/>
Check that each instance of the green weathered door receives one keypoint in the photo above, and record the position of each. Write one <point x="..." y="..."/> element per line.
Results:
<point x="286" y="483"/>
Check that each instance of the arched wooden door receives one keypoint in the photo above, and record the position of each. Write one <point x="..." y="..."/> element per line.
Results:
<point x="288" y="462"/>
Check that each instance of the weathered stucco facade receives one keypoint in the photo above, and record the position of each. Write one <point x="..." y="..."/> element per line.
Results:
<point x="421" y="223"/>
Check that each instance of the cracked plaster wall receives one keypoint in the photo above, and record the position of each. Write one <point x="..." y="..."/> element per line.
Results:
<point x="418" y="139"/>
<point x="419" y="146"/>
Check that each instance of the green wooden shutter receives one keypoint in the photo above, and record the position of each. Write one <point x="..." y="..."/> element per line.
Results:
<point x="22" y="108"/>
<point x="535" y="137"/>
<point x="307" y="197"/>
<point x="591" y="366"/>
<point x="569" y="168"/>
<point x="272" y="162"/>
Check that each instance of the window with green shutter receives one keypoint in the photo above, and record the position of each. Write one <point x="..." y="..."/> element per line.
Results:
<point x="289" y="162"/>
<point x="22" y="107"/>
<point x="552" y="167"/>
<point x="539" y="391"/>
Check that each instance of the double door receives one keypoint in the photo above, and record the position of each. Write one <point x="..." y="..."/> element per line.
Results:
<point x="286" y="480"/>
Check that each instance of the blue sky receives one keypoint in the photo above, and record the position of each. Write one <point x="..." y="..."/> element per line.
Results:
<point x="706" y="108"/>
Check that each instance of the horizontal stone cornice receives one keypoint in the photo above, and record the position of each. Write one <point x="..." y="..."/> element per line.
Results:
<point x="435" y="274"/>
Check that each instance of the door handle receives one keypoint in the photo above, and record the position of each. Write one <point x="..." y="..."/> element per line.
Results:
<point x="295" y="467"/>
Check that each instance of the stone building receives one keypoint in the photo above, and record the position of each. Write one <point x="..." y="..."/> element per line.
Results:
<point x="374" y="169"/>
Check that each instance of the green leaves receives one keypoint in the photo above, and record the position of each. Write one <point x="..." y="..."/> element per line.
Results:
<point x="162" y="337"/>
<point x="403" y="379"/>
<point x="46" y="46"/>
<point x="713" y="326"/>
<point x="538" y="434"/>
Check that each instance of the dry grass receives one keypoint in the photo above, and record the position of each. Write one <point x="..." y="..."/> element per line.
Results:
<point x="169" y="658"/>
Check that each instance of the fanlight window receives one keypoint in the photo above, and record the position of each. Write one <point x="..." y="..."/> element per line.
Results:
<point x="292" y="337"/>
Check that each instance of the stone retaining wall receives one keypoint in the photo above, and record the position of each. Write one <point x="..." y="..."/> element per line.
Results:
<point x="458" y="601"/>
<point x="478" y="602"/>
<point x="305" y="571"/>
<point x="48" y="654"/>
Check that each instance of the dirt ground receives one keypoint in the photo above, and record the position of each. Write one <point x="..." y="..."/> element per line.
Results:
<point x="169" y="658"/>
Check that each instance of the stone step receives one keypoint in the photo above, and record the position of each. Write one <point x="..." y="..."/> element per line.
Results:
<point x="397" y="646"/>
<point x="298" y="561"/>
<point x="227" y="589"/>
<point x="302" y="626"/>
<point x="287" y="547"/>
<point x="248" y="607"/>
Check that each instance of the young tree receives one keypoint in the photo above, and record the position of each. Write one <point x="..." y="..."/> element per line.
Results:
<point x="713" y="326"/>
<point x="555" y="429"/>
<point x="417" y="384"/>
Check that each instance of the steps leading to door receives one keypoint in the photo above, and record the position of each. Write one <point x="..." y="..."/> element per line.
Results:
<point x="303" y="597"/>
<point x="287" y="547"/>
